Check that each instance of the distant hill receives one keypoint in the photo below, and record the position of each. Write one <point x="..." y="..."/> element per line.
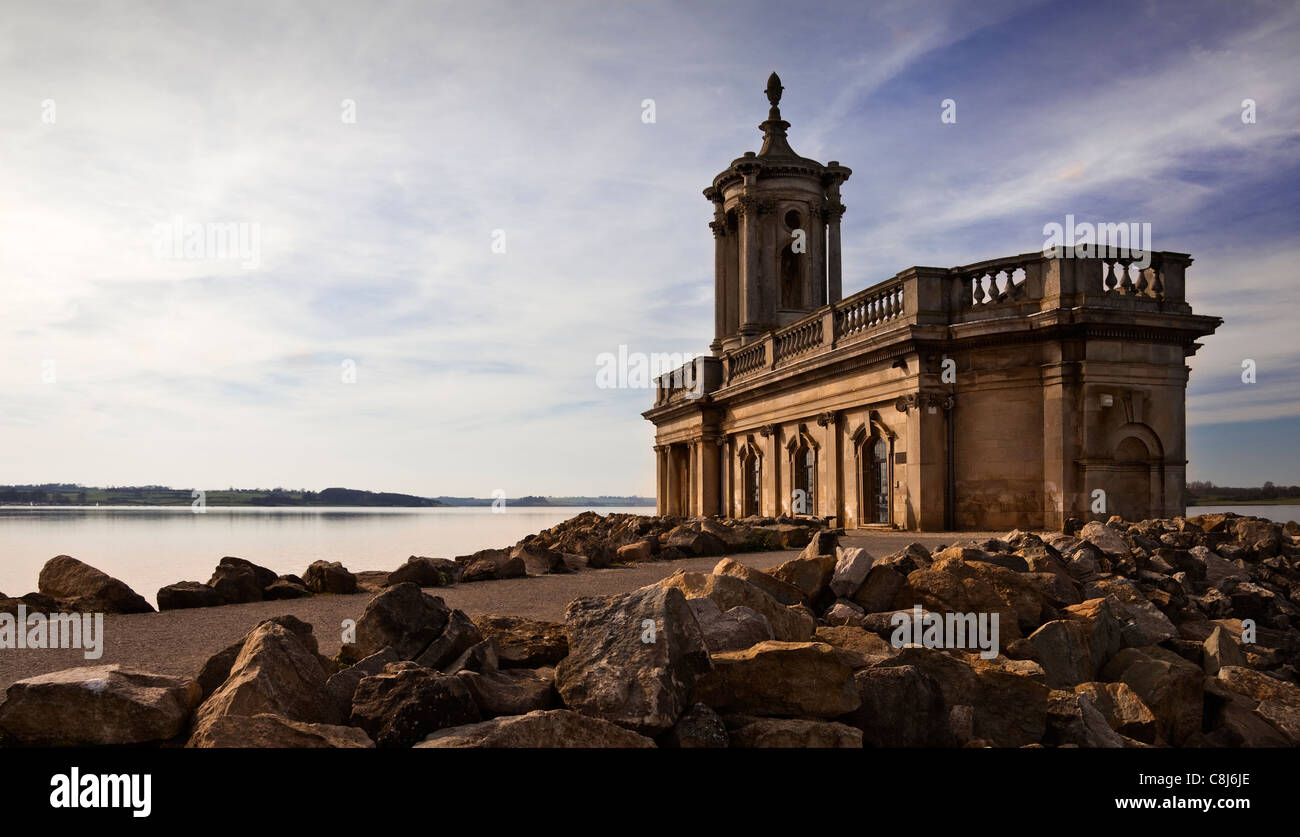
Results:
<point x="71" y="494"/>
<point x="61" y="494"/>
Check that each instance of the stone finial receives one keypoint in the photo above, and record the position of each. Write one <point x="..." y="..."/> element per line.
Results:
<point x="774" y="89"/>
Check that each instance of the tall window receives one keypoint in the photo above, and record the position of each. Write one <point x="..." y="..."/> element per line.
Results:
<point x="804" y="500"/>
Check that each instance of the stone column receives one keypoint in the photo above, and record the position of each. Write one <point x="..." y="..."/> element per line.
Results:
<point x="661" y="481"/>
<point x="834" y="277"/>
<point x="816" y="258"/>
<point x="828" y="490"/>
<point x="719" y="227"/>
<point x="751" y="304"/>
<point x="771" y="472"/>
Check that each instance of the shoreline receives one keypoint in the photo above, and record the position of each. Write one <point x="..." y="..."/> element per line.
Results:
<point x="179" y="642"/>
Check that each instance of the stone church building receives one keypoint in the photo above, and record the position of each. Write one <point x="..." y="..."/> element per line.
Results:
<point x="1013" y="392"/>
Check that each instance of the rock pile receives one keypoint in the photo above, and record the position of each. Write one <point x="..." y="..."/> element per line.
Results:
<point x="1178" y="632"/>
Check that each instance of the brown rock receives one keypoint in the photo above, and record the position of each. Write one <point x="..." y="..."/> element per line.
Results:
<point x="515" y="691"/>
<point x="1123" y="710"/>
<point x="1169" y="685"/>
<point x="633" y="658"/>
<point x="80" y="586"/>
<point x="786" y="594"/>
<point x="794" y="732"/>
<point x="550" y="728"/>
<point x="789" y="623"/>
<point x="403" y="617"/>
<point x="405" y="702"/>
<point x="186" y="594"/>
<point x="110" y="705"/>
<point x="805" y="679"/>
<point x="524" y="643"/>
<point x="810" y="574"/>
<point x="275" y="673"/>
<point x="272" y="731"/>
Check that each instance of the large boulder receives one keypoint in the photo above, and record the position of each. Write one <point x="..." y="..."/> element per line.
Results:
<point x="1221" y="650"/>
<point x="878" y="591"/>
<point x="540" y="560"/>
<point x="1142" y="622"/>
<point x="217" y="668"/>
<point x="694" y="540"/>
<point x="1103" y="628"/>
<point x="857" y="646"/>
<point x="79" y="586"/>
<point x="1169" y="685"/>
<point x="953" y="585"/>
<point x="272" y="731"/>
<point x="329" y="577"/>
<point x="342" y="685"/>
<point x="524" y="643"/>
<point x="1007" y="703"/>
<point x="851" y="567"/>
<point x="275" y="673"/>
<point x="1276" y="701"/>
<point x="793" y="732"/>
<point x="403" y="617"/>
<point x="540" y="728"/>
<point x="1062" y="648"/>
<point x="109" y="705"/>
<point x="239" y="581"/>
<point x="1108" y="540"/>
<point x="426" y="572"/>
<point x="405" y="702"/>
<point x="786" y="594"/>
<point x="810" y="574"/>
<point x="460" y="635"/>
<point x="800" y="679"/>
<point x="901" y="706"/>
<point x="490" y="564"/>
<point x="698" y="728"/>
<point x="286" y="587"/>
<point x="793" y="623"/>
<point x="732" y="630"/>
<point x="1123" y="710"/>
<point x="1072" y="719"/>
<point x="633" y="658"/>
<point x="186" y="594"/>
<point x="514" y="691"/>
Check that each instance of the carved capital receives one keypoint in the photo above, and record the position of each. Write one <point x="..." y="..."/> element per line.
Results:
<point x="767" y="430"/>
<point x="928" y="400"/>
<point x="719" y="228"/>
<point x="827" y="418"/>
<point x="833" y="212"/>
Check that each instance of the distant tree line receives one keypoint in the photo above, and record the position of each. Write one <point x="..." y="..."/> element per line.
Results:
<point x="1206" y="492"/>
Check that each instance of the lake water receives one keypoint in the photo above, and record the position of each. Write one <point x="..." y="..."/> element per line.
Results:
<point x="149" y="547"/>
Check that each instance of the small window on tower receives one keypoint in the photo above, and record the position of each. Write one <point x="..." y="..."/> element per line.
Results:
<point x="792" y="220"/>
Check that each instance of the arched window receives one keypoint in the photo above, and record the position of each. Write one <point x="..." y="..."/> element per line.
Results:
<point x="751" y="496"/>
<point x="804" y="468"/>
<point x="873" y="479"/>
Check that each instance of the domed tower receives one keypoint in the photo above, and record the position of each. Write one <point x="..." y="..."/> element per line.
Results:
<point x="776" y="228"/>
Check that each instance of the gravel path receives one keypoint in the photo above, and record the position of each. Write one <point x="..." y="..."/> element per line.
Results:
<point x="181" y="641"/>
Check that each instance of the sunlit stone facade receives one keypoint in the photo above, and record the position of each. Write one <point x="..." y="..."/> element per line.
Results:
<point x="1014" y="392"/>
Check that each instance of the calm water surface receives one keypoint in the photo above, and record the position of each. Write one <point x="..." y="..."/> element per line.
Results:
<point x="149" y="547"/>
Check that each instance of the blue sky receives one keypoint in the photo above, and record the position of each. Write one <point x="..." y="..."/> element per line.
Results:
<point x="475" y="370"/>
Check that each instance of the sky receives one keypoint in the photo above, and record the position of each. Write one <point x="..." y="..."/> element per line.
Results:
<point x="451" y="210"/>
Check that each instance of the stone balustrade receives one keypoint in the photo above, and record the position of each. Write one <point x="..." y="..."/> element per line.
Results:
<point x="927" y="296"/>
